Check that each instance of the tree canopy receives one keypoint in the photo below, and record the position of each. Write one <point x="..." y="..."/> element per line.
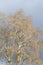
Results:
<point x="20" y="40"/>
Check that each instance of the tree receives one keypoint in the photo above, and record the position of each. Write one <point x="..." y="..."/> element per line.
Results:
<point x="21" y="40"/>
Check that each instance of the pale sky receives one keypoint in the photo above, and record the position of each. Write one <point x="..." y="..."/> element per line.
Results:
<point x="31" y="7"/>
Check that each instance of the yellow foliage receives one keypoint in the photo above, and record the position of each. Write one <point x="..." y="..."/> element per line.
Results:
<point x="22" y="37"/>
